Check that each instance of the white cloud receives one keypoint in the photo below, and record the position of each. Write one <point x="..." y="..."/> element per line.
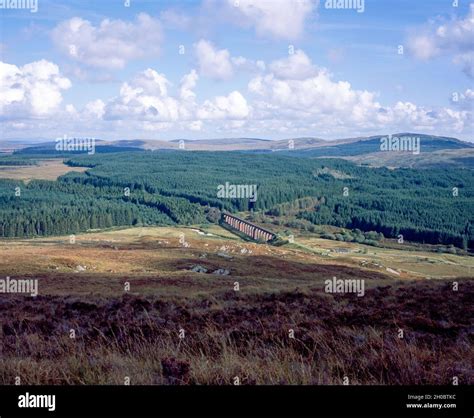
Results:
<point x="195" y="125"/>
<point x="242" y="63"/>
<point x="212" y="62"/>
<point x="95" y="109"/>
<point x="233" y="106"/>
<point x="147" y="98"/>
<point x="33" y="90"/>
<point x="289" y="96"/>
<point x="297" y="66"/>
<point x="295" y="88"/>
<point x="188" y="82"/>
<point x="111" y="44"/>
<point x="218" y="64"/>
<point x="452" y="38"/>
<point x="71" y="109"/>
<point x="155" y="126"/>
<point x="423" y="47"/>
<point x="281" y="19"/>
<point x="293" y="96"/>
<point x="296" y="94"/>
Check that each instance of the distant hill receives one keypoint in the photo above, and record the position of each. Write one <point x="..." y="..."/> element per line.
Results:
<point x="239" y="144"/>
<point x="360" y="146"/>
<point x="49" y="149"/>
<point x="434" y="150"/>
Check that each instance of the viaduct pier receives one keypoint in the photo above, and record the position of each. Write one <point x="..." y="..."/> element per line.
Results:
<point x="251" y="230"/>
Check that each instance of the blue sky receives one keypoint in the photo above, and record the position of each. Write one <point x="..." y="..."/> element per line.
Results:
<point x="230" y="68"/>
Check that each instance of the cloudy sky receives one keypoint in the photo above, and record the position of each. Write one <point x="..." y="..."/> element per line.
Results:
<point x="158" y="69"/>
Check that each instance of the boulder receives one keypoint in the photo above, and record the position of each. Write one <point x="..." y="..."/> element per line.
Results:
<point x="222" y="272"/>
<point x="199" y="269"/>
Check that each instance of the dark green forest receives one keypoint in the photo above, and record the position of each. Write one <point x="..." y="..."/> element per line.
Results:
<point x="179" y="187"/>
<point x="13" y="160"/>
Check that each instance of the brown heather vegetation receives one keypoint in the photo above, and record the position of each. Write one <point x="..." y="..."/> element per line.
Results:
<point x="231" y="335"/>
<point x="228" y="333"/>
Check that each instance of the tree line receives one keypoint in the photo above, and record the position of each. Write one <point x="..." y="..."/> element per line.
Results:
<point x="180" y="187"/>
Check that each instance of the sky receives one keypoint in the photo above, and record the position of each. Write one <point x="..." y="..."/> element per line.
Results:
<point x="159" y="69"/>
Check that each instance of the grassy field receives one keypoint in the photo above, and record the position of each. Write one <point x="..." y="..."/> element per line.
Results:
<point x="404" y="264"/>
<point x="45" y="170"/>
<point x="279" y="327"/>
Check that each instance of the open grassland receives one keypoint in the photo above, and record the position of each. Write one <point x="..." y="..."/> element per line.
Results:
<point x="405" y="264"/>
<point x="229" y="333"/>
<point x="45" y="170"/>
<point x="408" y="260"/>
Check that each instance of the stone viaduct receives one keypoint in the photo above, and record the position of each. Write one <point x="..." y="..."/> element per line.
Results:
<point x="247" y="228"/>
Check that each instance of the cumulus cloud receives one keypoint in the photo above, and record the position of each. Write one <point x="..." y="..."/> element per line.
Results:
<point x="95" y="109"/>
<point x="147" y="98"/>
<point x="295" y="93"/>
<point x="297" y="66"/>
<point x="242" y="63"/>
<point x="455" y="38"/>
<point x="280" y="19"/>
<point x="218" y="64"/>
<point x="233" y="106"/>
<point x="188" y="82"/>
<point x="294" y="88"/>
<point x="423" y="47"/>
<point x="33" y="90"/>
<point x="111" y="44"/>
<point x="212" y="62"/>
<point x="289" y="96"/>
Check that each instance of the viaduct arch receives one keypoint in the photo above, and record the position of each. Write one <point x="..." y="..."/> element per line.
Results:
<point x="251" y="230"/>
